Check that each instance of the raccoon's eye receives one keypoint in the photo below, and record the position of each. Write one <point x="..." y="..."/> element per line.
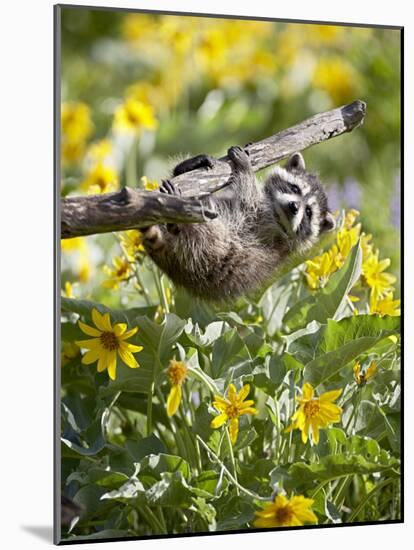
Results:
<point x="295" y="189"/>
<point x="308" y="211"/>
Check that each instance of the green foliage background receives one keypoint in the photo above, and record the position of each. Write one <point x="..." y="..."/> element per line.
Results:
<point x="133" y="477"/>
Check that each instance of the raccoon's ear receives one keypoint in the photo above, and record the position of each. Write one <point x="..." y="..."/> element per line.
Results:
<point x="328" y="223"/>
<point x="296" y="162"/>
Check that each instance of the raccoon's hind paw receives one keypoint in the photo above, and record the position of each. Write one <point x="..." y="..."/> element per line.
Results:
<point x="188" y="165"/>
<point x="153" y="238"/>
<point x="239" y="157"/>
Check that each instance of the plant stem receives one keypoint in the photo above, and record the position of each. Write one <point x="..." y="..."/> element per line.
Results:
<point x="233" y="462"/>
<point x="216" y="459"/>
<point x="368" y="497"/>
<point x="149" y="409"/>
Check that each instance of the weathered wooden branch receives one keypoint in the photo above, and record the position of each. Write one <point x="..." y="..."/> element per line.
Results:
<point x="130" y="208"/>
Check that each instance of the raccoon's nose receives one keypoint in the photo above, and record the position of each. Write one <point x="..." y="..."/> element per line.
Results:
<point x="293" y="207"/>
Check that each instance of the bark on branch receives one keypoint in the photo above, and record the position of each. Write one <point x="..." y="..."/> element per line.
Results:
<point x="130" y="208"/>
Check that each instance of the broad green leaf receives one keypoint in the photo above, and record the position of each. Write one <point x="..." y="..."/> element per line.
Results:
<point x="344" y="341"/>
<point x="300" y="475"/>
<point x="228" y="351"/>
<point x="147" y="446"/>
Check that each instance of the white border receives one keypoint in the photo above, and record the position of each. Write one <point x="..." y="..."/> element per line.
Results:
<point x="26" y="271"/>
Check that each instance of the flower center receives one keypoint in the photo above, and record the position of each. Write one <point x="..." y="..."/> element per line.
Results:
<point x="177" y="372"/>
<point x="232" y="411"/>
<point x="311" y="407"/>
<point x="284" y="515"/>
<point x="109" y="341"/>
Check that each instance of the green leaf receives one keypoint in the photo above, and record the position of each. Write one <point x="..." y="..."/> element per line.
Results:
<point x="328" y="302"/>
<point x="343" y="342"/>
<point x="228" y="351"/>
<point x="300" y="476"/>
<point x="146" y="446"/>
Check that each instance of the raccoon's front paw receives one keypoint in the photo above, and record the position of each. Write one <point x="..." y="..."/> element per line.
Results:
<point x="169" y="188"/>
<point x="239" y="157"/>
<point x="153" y="238"/>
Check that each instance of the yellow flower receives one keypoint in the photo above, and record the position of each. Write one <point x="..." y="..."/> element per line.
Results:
<point x="231" y="408"/>
<point x="107" y="341"/>
<point x="134" y="115"/>
<point x="75" y="243"/>
<point x="385" y="306"/>
<point x="362" y="378"/>
<point x="100" y="179"/>
<point x="77" y="126"/>
<point x="69" y="351"/>
<point x="131" y="243"/>
<point x="120" y="272"/>
<point x="315" y="412"/>
<point x="149" y="185"/>
<point x="100" y="150"/>
<point x="283" y="512"/>
<point x="318" y="270"/>
<point x="177" y="373"/>
<point x="379" y="282"/>
<point x="68" y="291"/>
<point x="336" y="77"/>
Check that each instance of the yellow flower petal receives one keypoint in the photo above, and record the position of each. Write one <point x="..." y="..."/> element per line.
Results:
<point x="119" y="329"/>
<point x="128" y="333"/>
<point x="218" y="421"/>
<point x="128" y="358"/>
<point x="232" y="393"/>
<point x="330" y="395"/>
<point x="307" y="391"/>
<point x="90" y="331"/>
<point x="94" y="343"/>
<point x="173" y="400"/>
<point x="244" y="392"/>
<point x="91" y="356"/>
<point x="102" y="322"/>
<point x="112" y="365"/>
<point x="234" y="429"/>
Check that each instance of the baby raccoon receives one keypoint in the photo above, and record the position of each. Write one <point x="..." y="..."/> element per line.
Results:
<point x="258" y="227"/>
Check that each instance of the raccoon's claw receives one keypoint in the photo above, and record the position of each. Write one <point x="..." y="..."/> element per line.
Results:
<point x="239" y="157"/>
<point x="169" y="188"/>
<point x="245" y="148"/>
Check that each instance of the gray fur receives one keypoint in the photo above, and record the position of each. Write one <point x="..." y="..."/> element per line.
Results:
<point x="254" y="233"/>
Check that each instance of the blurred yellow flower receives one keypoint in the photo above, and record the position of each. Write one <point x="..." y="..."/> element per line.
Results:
<point x="138" y="26"/>
<point x="68" y="290"/>
<point x="76" y="127"/>
<point x="135" y="116"/>
<point x="69" y="351"/>
<point x="177" y="373"/>
<point x="150" y="185"/>
<point x="107" y="341"/>
<point x="385" y="306"/>
<point x="231" y="408"/>
<point x="131" y="243"/>
<point x="283" y="512"/>
<point x="337" y="77"/>
<point x="361" y="378"/>
<point x="100" y="150"/>
<point x="100" y="179"/>
<point x="71" y="245"/>
<point x="379" y="282"/>
<point x="120" y="272"/>
<point x="315" y="413"/>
